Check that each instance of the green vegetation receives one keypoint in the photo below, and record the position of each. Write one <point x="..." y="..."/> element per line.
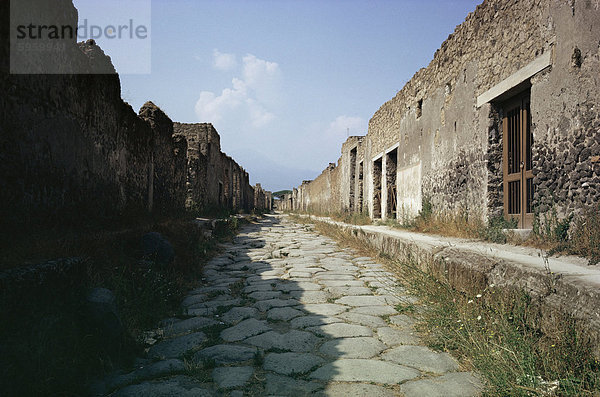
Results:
<point x="281" y="193"/>
<point x="494" y="331"/>
<point x="574" y="234"/>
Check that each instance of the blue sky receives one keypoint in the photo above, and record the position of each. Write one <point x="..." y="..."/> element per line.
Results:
<point x="283" y="82"/>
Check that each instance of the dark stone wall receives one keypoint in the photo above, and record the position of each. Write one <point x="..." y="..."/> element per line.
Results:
<point x="213" y="178"/>
<point x="166" y="185"/>
<point x="71" y="150"/>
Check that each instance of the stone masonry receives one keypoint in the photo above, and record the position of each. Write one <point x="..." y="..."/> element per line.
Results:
<point x="72" y="149"/>
<point x="213" y="178"/>
<point x="441" y="137"/>
<point x="292" y="314"/>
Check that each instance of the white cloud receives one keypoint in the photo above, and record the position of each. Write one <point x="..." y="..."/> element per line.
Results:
<point x="347" y="125"/>
<point x="250" y="99"/>
<point x="223" y="61"/>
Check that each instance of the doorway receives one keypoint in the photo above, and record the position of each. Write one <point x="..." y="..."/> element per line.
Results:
<point x="391" y="161"/>
<point x="517" y="139"/>
<point x="377" y="169"/>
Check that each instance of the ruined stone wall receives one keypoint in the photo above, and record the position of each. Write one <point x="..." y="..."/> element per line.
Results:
<point x="322" y="195"/>
<point x="351" y="155"/>
<point x="167" y="161"/>
<point x="449" y="145"/>
<point x="213" y="179"/>
<point x="263" y="199"/>
<point x="70" y="149"/>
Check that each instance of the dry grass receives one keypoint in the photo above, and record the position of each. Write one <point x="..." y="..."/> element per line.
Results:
<point x="575" y="235"/>
<point x="495" y="332"/>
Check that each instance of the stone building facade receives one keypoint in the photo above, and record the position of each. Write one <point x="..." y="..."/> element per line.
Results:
<point x="214" y="179"/>
<point x="263" y="199"/>
<point x="505" y="120"/>
<point x="72" y="151"/>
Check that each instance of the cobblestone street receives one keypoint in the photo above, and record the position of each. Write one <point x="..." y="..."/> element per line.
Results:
<point x="285" y="311"/>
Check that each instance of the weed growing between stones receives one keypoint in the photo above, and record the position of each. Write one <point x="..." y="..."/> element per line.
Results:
<point x="496" y="332"/>
<point x="574" y="234"/>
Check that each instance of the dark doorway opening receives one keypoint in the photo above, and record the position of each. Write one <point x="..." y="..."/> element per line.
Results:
<point x="352" y="179"/>
<point x="391" y="168"/>
<point x="517" y="141"/>
<point x="359" y="196"/>
<point x="377" y="173"/>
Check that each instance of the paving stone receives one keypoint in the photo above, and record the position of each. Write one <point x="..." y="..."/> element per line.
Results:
<point x="324" y="309"/>
<point x="300" y="276"/>
<point x="294" y="340"/>
<point x="203" y="311"/>
<point x="173" y="348"/>
<point x="226" y="354"/>
<point x="216" y="303"/>
<point x="376" y="283"/>
<point x="208" y="290"/>
<point x="244" y="329"/>
<point x="265" y="305"/>
<point x="336" y="276"/>
<point x="278" y="385"/>
<point x="297" y="286"/>
<point x="271" y="272"/>
<point x="291" y="363"/>
<point x="283" y="313"/>
<point x="394" y="337"/>
<point x="310" y="296"/>
<point x="355" y="389"/>
<point x="150" y="371"/>
<point x="363" y="319"/>
<point x="311" y="321"/>
<point x="458" y="384"/>
<point x="362" y="370"/>
<point x="341" y="330"/>
<point x="193" y="299"/>
<point x="229" y="377"/>
<point x="187" y="325"/>
<point x="374" y="310"/>
<point x="264" y="295"/>
<point x="352" y="348"/>
<point x="258" y="288"/>
<point x="422" y="358"/>
<point x="342" y="283"/>
<point x="402" y="320"/>
<point x="224" y="282"/>
<point x="177" y="386"/>
<point x="237" y="314"/>
<point x="348" y="291"/>
<point x="366" y="300"/>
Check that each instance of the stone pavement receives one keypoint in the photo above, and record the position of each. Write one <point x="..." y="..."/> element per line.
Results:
<point x="286" y="312"/>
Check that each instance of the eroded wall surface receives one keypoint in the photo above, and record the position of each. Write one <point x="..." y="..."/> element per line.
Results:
<point x="213" y="178"/>
<point x="70" y="148"/>
<point x="72" y="151"/>
<point x="449" y="140"/>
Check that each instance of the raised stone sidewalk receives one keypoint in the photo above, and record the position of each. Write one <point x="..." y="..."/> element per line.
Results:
<point x="561" y="286"/>
<point x="286" y="312"/>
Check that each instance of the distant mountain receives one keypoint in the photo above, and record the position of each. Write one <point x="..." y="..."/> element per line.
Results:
<point x="281" y="193"/>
